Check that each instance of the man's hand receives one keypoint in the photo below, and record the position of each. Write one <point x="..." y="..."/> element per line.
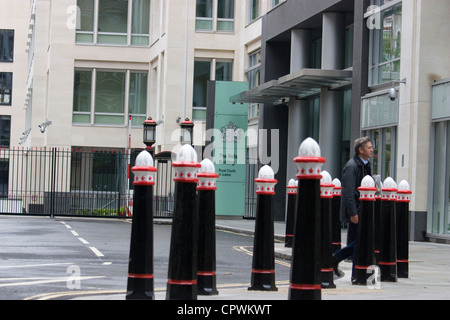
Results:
<point x="354" y="219"/>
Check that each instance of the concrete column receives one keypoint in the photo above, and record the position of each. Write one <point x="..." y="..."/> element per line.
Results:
<point x="298" y="109"/>
<point x="330" y="129"/>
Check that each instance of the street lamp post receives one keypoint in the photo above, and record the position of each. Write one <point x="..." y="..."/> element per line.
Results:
<point x="187" y="128"/>
<point x="149" y="134"/>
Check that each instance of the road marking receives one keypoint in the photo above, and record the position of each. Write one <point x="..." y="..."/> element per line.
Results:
<point x="36" y="265"/>
<point x="56" y="295"/>
<point x="59" y="295"/>
<point x="47" y="280"/>
<point x="244" y="249"/>
<point x="83" y="241"/>
<point x="96" y="252"/>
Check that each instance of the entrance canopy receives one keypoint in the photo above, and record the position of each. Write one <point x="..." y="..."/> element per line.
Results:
<point x="300" y="84"/>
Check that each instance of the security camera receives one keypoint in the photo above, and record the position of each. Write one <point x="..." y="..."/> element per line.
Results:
<point x="393" y="94"/>
<point x="44" y="125"/>
<point x="393" y="90"/>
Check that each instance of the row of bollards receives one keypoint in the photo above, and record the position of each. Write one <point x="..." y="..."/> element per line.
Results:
<point x="192" y="257"/>
<point x="312" y="229"/>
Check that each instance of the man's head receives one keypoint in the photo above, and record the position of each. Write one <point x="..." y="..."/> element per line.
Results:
<point x="363" y="147"/>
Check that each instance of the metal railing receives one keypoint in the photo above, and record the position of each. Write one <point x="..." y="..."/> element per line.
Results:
<point x="86" y="182"/>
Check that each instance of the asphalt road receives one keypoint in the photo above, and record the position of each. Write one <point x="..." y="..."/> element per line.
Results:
<point x="62" y="258"/>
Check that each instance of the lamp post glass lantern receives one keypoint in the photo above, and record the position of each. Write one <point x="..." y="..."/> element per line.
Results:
<point x="187" y="128"/>
<point x="149" y="132"/>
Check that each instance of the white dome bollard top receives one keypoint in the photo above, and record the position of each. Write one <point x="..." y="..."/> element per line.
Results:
<point x="404" y="192"/>
<point x="326" y="186"/>
<point x="337" y="190"/>
<point x="389" y="190"/>
<point x="265" y="183"/>
<point x="144" y="170"/>
<point x="309" y="162"/>
<point x="367" y="189"/>
<point x="207" y="176"/>
<point x="292" y="187"/>
<point x="186" y="165"/>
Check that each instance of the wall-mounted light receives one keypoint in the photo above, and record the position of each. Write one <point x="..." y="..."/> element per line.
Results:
<point x="187" y="129"/>
<point x="149" y="132"/>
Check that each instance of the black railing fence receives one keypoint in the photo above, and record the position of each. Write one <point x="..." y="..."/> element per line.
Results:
<point x="84" y="182"/>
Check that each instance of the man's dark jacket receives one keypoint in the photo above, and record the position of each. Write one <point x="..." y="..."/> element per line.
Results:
<point x="352" y="175"/>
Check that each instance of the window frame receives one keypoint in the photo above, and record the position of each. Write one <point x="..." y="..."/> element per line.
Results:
<point x="131" y="38"/>
<point x="9" y="85"/>
<point x="93" y="113"/>
<point x="214" y="19"/>
<point x="7" y="34"/>
<point x="212" y="77"/>
<point x="376" y="39"/>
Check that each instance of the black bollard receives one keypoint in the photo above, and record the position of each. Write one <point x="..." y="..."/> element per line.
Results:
<point x="140" y="267"/>
<point x="206" y="187"/>
<point x="182" y="274"/>
<point x="305" y="279"/>
<point x="388" y="250"/>
<point x="326" y="198"/>
<point x="378" y="228"/>
<point x="263" y="265"/>
<point x="403" y="199"/>
<point x="365" y="255"/>
<point x="291" y="190"/>
<point x="336" y="242"/>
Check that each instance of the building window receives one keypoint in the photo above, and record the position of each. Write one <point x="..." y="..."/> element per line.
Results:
<point x="255" y="10"/>
<point x="441" y="179"/>
<point x="109" y="97"/>
<point x="204" y="16"/>
<point x="100" y="97"/>
<point x="6" y="45"/>
<point x="225" y="15"/>
<point x="82" y="96"/>
<point x="222" y="21"/>
<point x="5" y="88"/>
<point x="439" y="194"/>
<point x="385" y="46"/>
<point x="137" y="103"/>
<point x="204" y="71"/>
<point x="107" y="22"/>
<point x="112" y="21"/>
<point x="5" y="131"/>
<point x="254" y="79"/>
<point x="384" y="151"/>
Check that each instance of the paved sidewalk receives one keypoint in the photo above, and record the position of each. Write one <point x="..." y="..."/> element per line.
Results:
<point x="429" y="271"/>
<point x="429" y="274"/>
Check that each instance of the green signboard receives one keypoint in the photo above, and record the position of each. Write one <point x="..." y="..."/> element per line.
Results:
<point x="227" y="123"/>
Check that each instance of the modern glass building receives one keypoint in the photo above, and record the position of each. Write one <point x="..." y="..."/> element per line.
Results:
<point x="337" y="70"/>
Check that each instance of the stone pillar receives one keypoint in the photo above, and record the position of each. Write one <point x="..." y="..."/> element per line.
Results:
<point x="333" y="53"/>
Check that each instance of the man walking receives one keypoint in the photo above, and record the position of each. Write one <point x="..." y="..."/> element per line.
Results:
<point x="352" y="174"/>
